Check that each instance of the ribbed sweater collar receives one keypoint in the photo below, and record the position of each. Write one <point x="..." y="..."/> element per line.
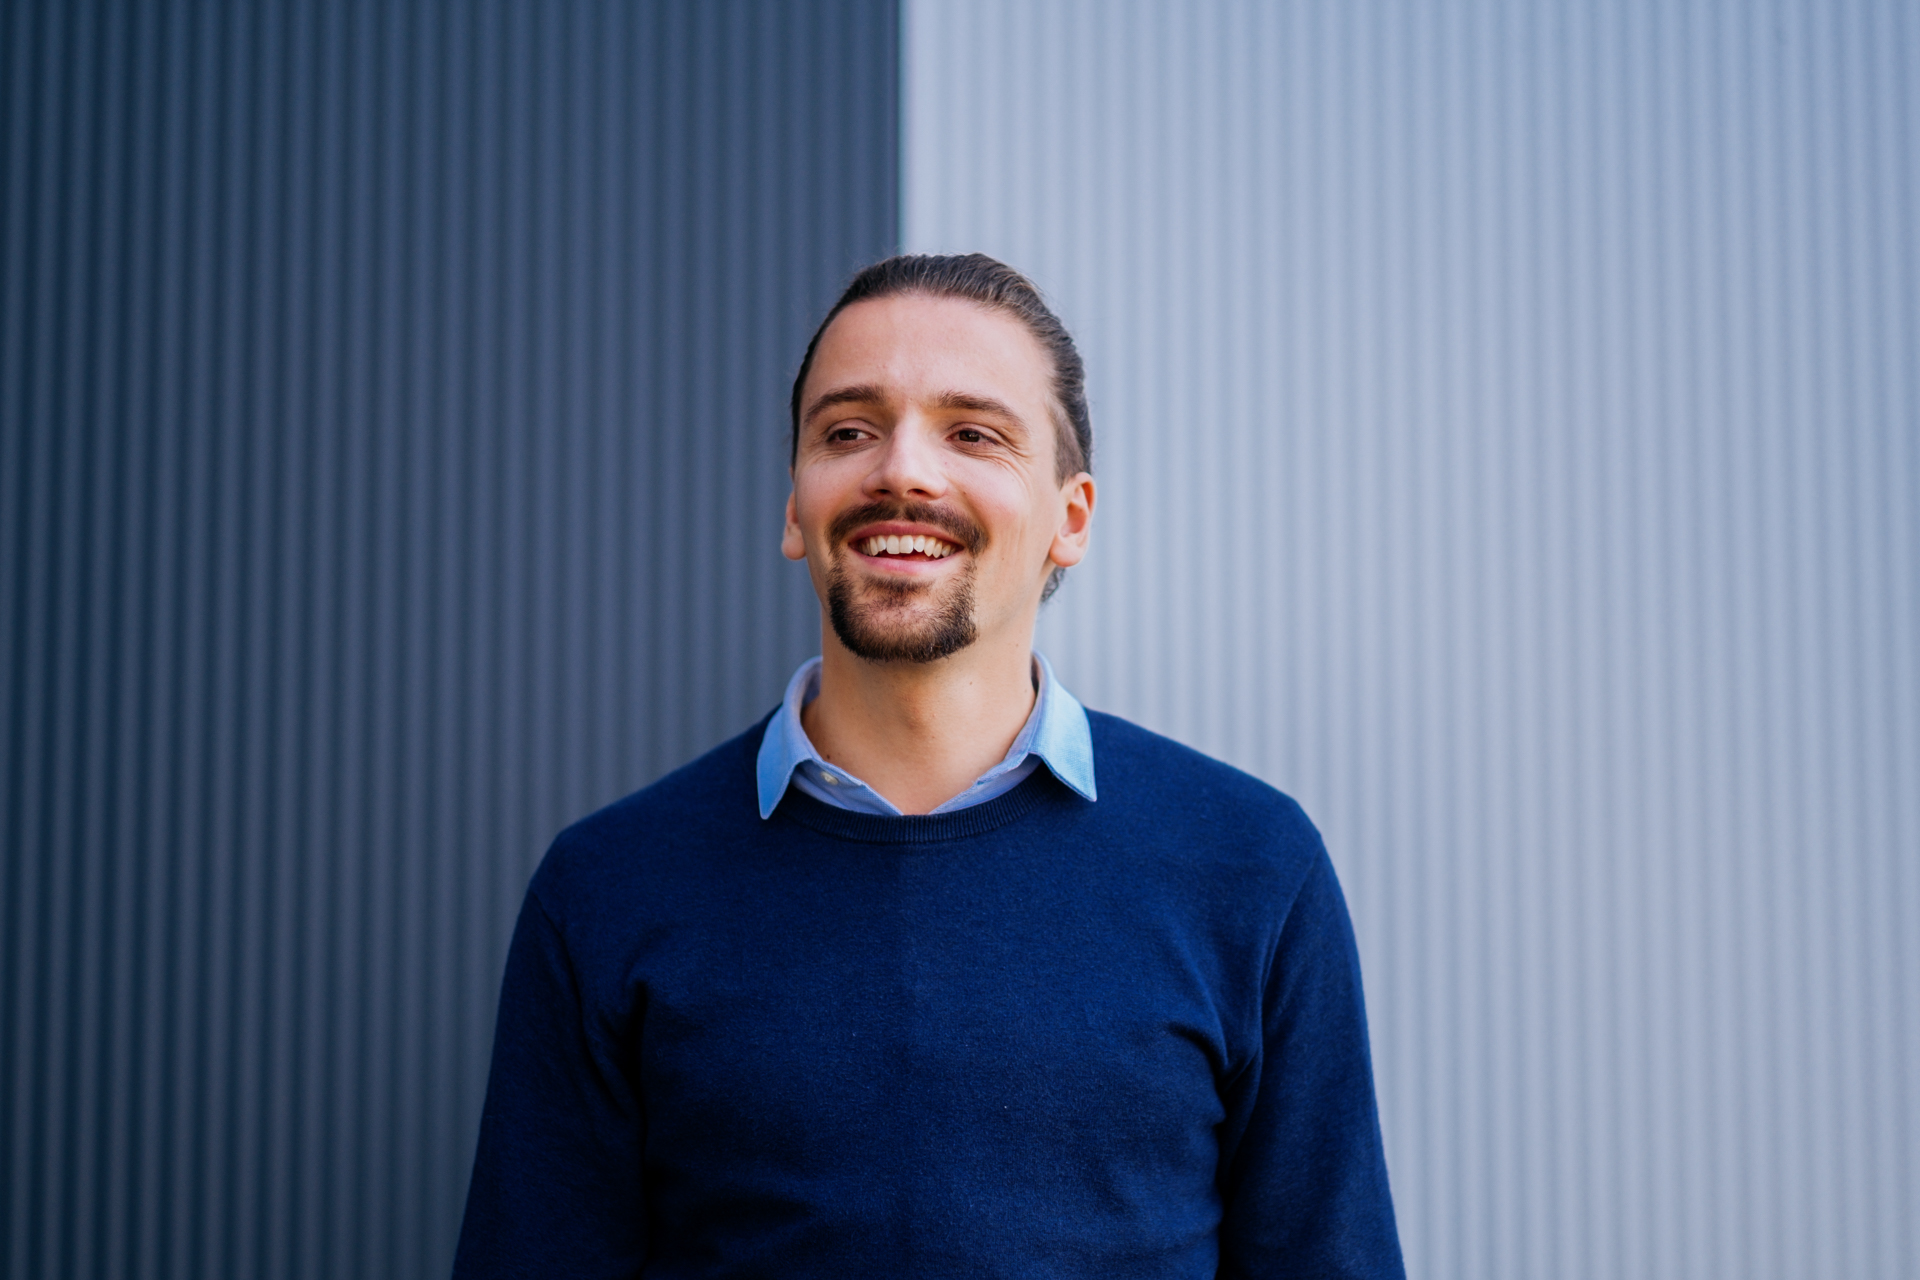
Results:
<point x="937" y="828"/>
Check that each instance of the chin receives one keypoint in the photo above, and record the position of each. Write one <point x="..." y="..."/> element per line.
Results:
<point x="888" y="624"/>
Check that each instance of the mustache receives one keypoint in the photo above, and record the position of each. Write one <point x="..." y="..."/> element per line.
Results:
<point x="959" y="528"/>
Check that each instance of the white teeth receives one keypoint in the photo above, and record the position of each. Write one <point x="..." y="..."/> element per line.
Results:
<point x="906" y="545"/>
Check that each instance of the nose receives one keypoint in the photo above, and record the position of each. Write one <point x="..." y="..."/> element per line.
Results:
<point x="909" y="464"/>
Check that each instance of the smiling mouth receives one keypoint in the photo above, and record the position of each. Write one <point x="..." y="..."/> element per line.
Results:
<point x="915" y="546"/>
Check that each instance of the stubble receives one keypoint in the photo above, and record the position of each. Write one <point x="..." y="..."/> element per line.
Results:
<point x="876" y="619"/>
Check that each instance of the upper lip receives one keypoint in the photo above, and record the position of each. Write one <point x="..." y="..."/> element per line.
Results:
<point x="902" y="529"/>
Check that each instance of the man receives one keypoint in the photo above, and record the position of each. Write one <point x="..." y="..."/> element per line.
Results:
<point x="935" y="1005"/>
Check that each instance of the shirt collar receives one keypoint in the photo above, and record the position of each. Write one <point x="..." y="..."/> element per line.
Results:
<point x="1056" y="731"/>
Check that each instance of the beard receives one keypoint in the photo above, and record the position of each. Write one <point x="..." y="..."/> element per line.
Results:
<point x="879" y="620"/>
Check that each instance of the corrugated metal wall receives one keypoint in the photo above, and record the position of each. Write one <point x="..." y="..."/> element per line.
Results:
<point x="392" y="448"/>
<point x="1509" y="444"/>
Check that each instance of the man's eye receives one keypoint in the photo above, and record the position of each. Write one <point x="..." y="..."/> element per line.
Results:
<point x="844" y="434"/>
<point x="968" y="435"/>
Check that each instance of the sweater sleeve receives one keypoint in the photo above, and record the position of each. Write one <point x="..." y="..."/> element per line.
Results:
<point x="1304" y="1179"/>
<point x="556" y="1187"/>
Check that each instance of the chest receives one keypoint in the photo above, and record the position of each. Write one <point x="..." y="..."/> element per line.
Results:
<point x="961" y="1022"/>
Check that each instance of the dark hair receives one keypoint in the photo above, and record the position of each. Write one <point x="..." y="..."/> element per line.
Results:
<point x="974" y="277"/>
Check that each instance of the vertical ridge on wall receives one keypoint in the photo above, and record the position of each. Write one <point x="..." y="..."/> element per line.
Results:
<point x="1506" y="438"/>
<point x="391" y="464"/>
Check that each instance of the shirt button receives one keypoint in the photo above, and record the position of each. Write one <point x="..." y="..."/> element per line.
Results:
<point x="831" y="780"/>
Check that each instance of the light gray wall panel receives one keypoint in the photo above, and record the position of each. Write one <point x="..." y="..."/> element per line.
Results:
<point x="1507" y="443"/>
<point x="392" y="450"/>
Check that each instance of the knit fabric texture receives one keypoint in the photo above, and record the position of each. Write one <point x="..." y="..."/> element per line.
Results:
<point x="1040" y="1036"/>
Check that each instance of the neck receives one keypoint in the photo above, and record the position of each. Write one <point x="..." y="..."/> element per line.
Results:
<point x="920" y="733"/>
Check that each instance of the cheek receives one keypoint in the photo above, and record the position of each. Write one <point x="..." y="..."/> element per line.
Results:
<point x="1024" y="529"/>
<point x="813" y="508"/>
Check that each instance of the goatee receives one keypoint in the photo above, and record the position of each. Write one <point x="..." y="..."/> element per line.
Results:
<point x="864" y="626"/>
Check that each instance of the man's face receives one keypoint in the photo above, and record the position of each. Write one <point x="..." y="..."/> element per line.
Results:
<point x="925" y="500"/>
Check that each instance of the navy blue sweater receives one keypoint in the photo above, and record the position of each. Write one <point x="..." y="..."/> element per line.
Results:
<point x="1037" y="1037"/>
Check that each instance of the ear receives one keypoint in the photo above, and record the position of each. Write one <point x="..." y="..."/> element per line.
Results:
<point x="1076" y="522"/>
<point x="792" y="545"/>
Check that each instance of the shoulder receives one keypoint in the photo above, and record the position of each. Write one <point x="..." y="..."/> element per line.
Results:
<point x="705" y="804"/>
<point x="1140" y="764"/>
<point x="1212" y="809"/>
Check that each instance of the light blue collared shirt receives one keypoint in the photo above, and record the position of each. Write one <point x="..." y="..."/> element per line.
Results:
<point x="1055" y="734"/>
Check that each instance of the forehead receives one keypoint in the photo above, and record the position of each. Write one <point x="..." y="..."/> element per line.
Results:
<point x="913" y="345"/>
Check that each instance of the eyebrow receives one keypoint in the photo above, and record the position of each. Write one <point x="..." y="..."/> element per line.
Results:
<point x="970" y="403"/>
<point x="866" y="393"/>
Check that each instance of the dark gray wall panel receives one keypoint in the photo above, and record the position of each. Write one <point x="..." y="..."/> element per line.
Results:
<point x="391" y="458"/>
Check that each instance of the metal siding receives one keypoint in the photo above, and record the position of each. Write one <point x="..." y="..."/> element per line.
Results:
<point x="392" y="444"/>
<point x="1506" y="437"/>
